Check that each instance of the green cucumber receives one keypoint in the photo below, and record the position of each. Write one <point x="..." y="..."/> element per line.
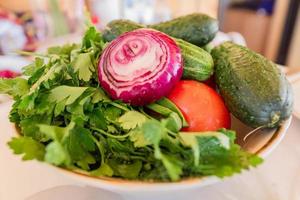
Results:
<point x="198" y="64"/>
<point x="117" y="27"/>
<point x="197" y="28"/>
<point x="253" y="88"/>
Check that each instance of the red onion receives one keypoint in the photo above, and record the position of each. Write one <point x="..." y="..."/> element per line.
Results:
<point x="140" y="66"/>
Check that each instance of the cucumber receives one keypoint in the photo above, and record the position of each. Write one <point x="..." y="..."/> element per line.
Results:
<point x="197" y="28"/>
<point x="117" y="27"/>
<point x="253" y="88"/>
<point x="198" y="64"/>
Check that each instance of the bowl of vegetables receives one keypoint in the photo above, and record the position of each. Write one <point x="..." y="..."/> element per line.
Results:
<point x="130" y="109"/>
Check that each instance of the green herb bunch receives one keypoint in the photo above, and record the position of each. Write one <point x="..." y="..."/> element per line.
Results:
<point x="66" y="119"/>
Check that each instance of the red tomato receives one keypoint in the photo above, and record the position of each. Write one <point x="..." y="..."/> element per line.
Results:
<point x="202" y="107"/>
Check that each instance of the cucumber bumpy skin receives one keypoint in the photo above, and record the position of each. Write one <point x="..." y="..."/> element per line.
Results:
<point x="117" y="27"/>
<point x="198" y="29"/>
<point x="253" y="88"/>
<point x="198" y="63"/>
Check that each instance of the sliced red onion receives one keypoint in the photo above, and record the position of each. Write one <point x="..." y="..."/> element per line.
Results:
<point x="140" y="66"/>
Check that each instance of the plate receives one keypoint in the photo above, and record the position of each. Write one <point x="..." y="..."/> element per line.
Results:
<point x="261" y="143"/>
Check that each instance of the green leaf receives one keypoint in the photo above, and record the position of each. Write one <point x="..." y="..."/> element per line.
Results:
<point x="99" y="95"/>
<point x="36" y="75"/>
<point x="62" y="50"/>
<point x="27" y="146"/>
<point x="149" y="133"/>
<point x="173" y="167"/>
<point x="52" y="73"/>
<point x="83" y="64"/>
<point x="192" y="142"/>
<point x="16" y="87"/>
<point x="217" y="160"/>
<point x="103" y="170"/>
<point x="190" y="139"/>
<point x="75" y="140"/>
<point x="97" y="119"/>
<point x="77" y="110"/>
<point x="112" y="129"/>
<point x="27" y="103"/>
<point x="153" y="131"/>
<point x="112" y="113"/>
<point x="29" y="128"/>
<point x="56" y="154"/>
<point x="60" y="107"/>
<point x="131" y="119"/>
<point x="91" y="36"/>
<point x="56" y="133"/>
<point x="138" y="138"/>
<point x="175" y="119"/>
<point x="79" y="143"/>
<point x="222" y="138"/>
<point x="33" y="67"/>
<point x="165" y="102"/>
<point x="173" y="122"/>
<point x="66" y="92"/>
<point x="86" y="162"/>
<point x="164" y="111"/>
<point x="130" y="171"/>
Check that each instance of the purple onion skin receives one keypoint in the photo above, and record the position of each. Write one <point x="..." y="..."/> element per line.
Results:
<point x="140" y="67"/>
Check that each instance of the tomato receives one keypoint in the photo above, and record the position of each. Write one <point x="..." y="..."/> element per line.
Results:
<point x="202" y="107"/>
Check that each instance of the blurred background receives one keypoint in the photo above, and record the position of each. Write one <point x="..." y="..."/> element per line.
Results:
<point x="270" y="27"/>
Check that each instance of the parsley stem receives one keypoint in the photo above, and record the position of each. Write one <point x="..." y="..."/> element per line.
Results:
<point x="110" y="135"/>
<point x="100" y="147"/>
<point x="119" y="106"/>
<point x="27" y="53"/>
<point x="144" y="113"/>
<point x="171" y="132"/>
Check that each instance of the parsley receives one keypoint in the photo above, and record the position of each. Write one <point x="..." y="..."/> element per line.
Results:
<point x="29" y="147"/>
<point x="66" y="119"/>
<point x="15" y="87"/>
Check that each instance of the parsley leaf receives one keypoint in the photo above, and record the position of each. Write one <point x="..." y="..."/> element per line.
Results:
<point x="190" y="139"/>
<point x="91" y="36"/>
<point x="32" y="68"/>
<point x="83" y="64"/>
<point x="16" y="87"/>
<point x="27" y="146"/>
<point x="104" y="170"/>
<point x="56" y="154"/>
<point x="70" y="94"/>
<point x="131" y="119"/>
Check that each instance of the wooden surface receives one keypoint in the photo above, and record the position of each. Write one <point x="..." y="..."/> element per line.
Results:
<point x="252" y="25"/>
<point x="276" y="26"/>
<point x="294" y="51"/>
<point x="15" y="5"/>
